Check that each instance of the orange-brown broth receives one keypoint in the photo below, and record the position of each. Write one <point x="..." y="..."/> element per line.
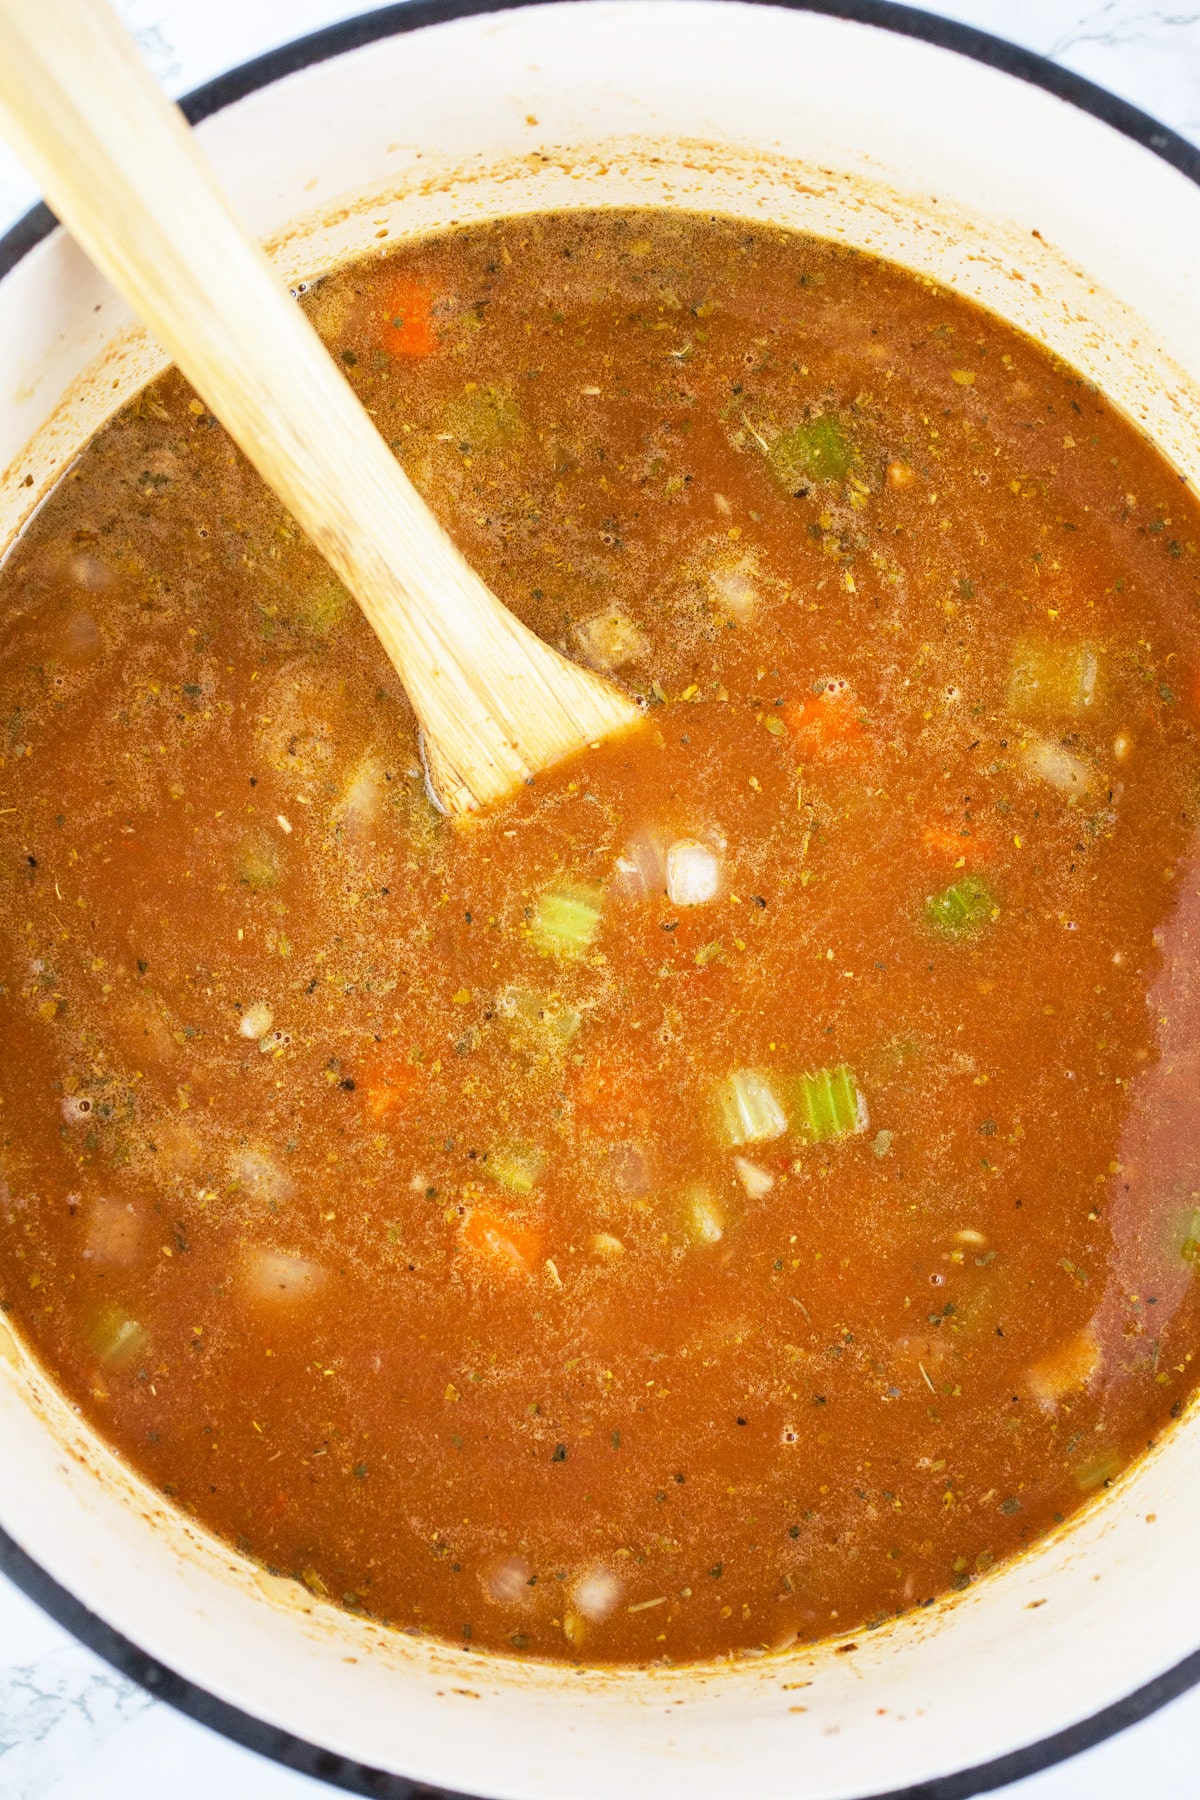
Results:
<point x="924" y="1343"/>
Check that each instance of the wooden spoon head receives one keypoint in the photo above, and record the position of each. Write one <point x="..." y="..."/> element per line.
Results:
<point x="533" y="716"/>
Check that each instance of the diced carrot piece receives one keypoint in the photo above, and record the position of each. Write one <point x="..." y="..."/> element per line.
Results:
<point x="513" y="1249"/>
<point x="946" y="843"/>
<point x="827" y="724"/>
<point x="407" y="328"/>
<point x="387" y="1083"/>
<point x="941" y="840"/>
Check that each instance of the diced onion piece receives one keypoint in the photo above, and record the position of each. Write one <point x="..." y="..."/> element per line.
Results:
<point x="1048" y="762"/>
<point x="830" y="1105"/>
<point x="693" y="873"/>
<point x="630" y="1169"/>
<point x="177" y="1148"/>
<point x="733" y="589"/>
<point x="567" y="920"/>
<point x="596" y="1594"/>
<point x="505" y="1581"/>
<point x="114" y="1232"/>
<point x="356" y="810"/>
<point x="607" y="1246"/>
<point x="295" y="726"/>
<point x="256" y="1021"/>
<point x="703" y="1218"/>
<point x="272" y="1276"/>
<point x="116" y="1339"/>
<point x="640" y="870"/>
<point x="515" y="1166"/>
<point x="608" y="641"/>
<point x="962" y="910"/>
<point x="548" y="1019"/>
<point x="143" y="1033"/>
<point x="750" y="1110"/>
<point x="518" y="1003"/>
<point x="756" y="1181"/>
<point x="1052" y="680"/>
<point x="1067" y="1368"/>
<point x="256" y="1173"/>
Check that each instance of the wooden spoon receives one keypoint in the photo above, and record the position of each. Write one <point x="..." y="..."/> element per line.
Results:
<point x="119" y="166"/>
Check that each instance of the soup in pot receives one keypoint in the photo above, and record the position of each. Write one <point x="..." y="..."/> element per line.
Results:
<point x="747" y="1186"/>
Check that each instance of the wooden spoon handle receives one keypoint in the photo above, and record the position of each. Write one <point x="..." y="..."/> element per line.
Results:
<point x="120" y="168"/>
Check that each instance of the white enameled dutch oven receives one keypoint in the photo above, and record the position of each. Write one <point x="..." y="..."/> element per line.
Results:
<point x="1072" y="216"/>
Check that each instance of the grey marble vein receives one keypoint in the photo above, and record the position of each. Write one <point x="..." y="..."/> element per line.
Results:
<point x="56" y="1710"/>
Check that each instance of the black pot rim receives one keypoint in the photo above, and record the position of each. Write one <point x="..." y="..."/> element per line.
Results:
<point x="21" y="1569"/>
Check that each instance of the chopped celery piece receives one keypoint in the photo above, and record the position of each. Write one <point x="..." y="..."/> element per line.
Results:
<point x="116" y="1338"/>
<point x="515" y="1166"/>
<point x="829" y="1105"/>
<point x="1186" y="1236"/>
<point x="259" y="863"/>
<point x="750" y="1111"/>
<point x="1098" y="1471"/>
<point x="1052" y="680"/>
<point x="567" y="920"/>
<point x="321" y="607"/>
<point x="813" y="450"/>
<point x="703" y="1218"/>
<point x="485" y="419"/>
<point x="962" y="909"/>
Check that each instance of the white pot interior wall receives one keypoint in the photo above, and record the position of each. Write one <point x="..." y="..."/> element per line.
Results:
<point x="1054" y="221"/>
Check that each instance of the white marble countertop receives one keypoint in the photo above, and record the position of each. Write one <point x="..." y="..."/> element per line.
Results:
<point x="70" y="1727"/>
